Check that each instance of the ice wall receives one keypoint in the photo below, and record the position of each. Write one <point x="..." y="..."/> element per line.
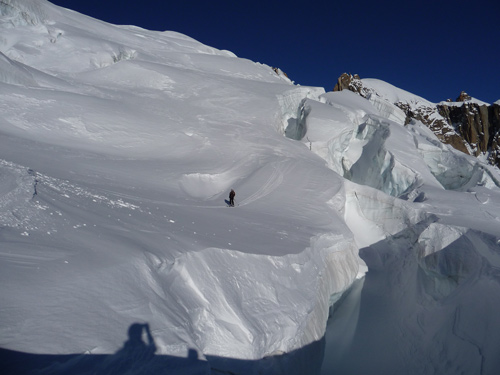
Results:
<point x="428" y="305"/>
<point x="291" y="119"/>
<point x="370" y="146"/>
<point x="373" y="215"/>
<point x="351" y="136"/>
<point x="376" y="166"/>
<point x="454" y="170"/>
<point x="249" y="306"/>
<point x="456" y="270"/>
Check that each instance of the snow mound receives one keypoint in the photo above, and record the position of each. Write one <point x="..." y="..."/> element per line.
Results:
<point x="204" y="185"/>
<point x="393" y="94"/>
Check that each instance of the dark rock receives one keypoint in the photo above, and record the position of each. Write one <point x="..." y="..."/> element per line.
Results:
<point x="463" y="97"/>
<point x="348" y="82"/>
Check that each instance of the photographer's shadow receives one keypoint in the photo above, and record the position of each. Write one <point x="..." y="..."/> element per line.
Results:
<point x="138" y="357"/>
<point x="135" y="355"/>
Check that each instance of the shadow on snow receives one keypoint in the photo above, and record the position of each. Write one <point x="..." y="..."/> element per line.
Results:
<point x="137" y="356"/>
<point x="412" y="314"/>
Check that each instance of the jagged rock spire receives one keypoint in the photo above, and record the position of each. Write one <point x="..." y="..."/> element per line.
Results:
<point x="345" y="81"/>
<point x="463" y="97"/>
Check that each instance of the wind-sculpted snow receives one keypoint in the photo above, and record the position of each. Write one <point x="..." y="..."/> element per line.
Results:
<point x="14" y="73"/>
<point x="260" y="308"/>
<point x="120" y="146"/>
<point x="387" y="109"/>
<point x="118" y="149"/>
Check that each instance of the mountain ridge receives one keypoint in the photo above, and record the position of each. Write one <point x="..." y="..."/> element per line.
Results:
<point x="467" y="124"/>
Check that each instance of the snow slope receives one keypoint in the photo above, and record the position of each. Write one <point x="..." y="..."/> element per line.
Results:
<point x="118" y="148"/>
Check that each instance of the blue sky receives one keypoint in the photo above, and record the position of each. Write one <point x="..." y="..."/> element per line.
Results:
<point x="434" y="49"/>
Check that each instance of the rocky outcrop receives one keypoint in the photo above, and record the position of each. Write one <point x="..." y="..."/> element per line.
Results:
<point x="477" y="123"/>
<point x="280" y="72"/>
<point x="494" y="116"/>
<point x="468" y="125"/>
<point x="349" y="82"/>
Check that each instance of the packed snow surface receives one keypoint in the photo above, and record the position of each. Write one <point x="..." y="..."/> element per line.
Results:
<point x="118" y="148"/>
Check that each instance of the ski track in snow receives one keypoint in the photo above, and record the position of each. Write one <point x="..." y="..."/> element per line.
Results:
<point x="70" y="191"/>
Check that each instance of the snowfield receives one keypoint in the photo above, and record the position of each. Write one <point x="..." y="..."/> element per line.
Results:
<point x="119" y="254"/>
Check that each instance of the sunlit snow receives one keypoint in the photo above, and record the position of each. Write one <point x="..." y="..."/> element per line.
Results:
<point x="119" y="253"/>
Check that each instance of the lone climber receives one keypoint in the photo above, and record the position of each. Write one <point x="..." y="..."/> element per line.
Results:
<point x="232" y="194"/>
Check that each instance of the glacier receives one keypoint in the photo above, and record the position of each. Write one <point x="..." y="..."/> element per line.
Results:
<point x="425" y="218"/>
<point x="118" y="148"/>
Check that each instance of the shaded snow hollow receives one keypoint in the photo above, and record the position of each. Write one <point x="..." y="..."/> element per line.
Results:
<point x="118" y="149"/>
